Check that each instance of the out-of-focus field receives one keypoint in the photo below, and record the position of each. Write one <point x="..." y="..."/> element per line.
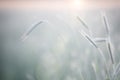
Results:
<point x="55" y="49"/>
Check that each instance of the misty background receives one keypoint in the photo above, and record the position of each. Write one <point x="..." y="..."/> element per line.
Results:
<point x="55" y="50"/>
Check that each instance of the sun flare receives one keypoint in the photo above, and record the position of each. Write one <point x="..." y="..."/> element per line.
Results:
<point x="76" y="4"/>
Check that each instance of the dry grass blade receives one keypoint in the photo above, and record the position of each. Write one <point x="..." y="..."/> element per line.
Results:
<point x="88" y="38"/>
<point x="83" y="23"/>
<point x="106" y="24"/>
<point x="108" y="36"/>
<point x="100" y="51"/>
<point x="91" y="41"/>
<point x="25" y="35"/>
<point x="99" y="40"/>
<point x="110" y="51"/>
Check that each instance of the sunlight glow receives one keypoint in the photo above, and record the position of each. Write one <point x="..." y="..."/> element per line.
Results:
<point x="77" y="4"/>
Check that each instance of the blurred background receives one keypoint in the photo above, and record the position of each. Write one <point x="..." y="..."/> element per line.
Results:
<point x="55" y="49"/>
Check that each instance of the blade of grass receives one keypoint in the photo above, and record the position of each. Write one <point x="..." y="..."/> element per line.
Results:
<point x="92" y="42"/>
<point x="26" y="34"/>
<point x="108" y="37"/>
<point x="83" y="23"/>
<point x="106" y="24"/>
<point x="88" y="38"/>
<point x="110" y="51"/>
<point x="99" y="40"/>
<point x="100" y="51"/>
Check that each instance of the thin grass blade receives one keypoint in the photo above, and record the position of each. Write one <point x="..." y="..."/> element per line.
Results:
<point x="108" y="37"/>
<point x="100" y="51"/>
<point x="25" y="35"/>
<point x="99" y="40"/>
<point x="83" y="23"/>
<point x="88" y="38"/>
<point x="110" y="51"/>
<point x="106" y="24"/>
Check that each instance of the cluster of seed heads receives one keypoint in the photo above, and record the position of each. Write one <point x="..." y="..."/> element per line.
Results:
<point x="94" y="42"/>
